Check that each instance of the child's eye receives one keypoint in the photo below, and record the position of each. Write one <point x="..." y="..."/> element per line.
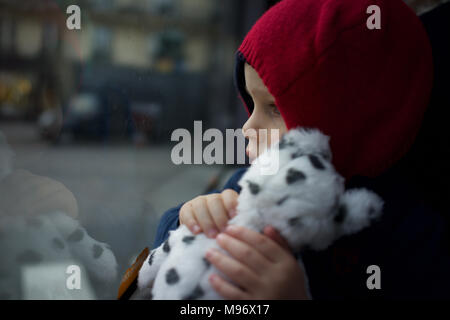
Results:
<point x="274" y="109"/>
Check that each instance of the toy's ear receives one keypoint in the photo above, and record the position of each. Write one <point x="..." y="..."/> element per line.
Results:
<point x="358" y="209"/>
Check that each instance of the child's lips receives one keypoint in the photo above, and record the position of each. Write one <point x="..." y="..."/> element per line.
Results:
<point x="247" y="152"/>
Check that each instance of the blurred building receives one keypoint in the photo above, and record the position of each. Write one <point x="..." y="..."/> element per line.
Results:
<point x="153" y="65"/>
<point x="171" y="60"/>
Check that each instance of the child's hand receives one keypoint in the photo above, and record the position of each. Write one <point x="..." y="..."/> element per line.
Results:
<point x="209" y="213"/>
<point x="260" y="267"/>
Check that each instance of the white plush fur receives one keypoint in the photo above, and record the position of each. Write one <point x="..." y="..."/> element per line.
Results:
<point x="304" y="200"/>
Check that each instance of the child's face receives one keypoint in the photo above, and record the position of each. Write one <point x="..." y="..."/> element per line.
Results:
<point x="265" y="114"/>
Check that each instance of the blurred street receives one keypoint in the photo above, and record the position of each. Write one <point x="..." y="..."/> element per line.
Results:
<point x="121" y="190"/>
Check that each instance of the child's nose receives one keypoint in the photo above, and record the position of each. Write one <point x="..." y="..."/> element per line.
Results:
<point x="250" y="127"/>
<point x="245" y="128"/>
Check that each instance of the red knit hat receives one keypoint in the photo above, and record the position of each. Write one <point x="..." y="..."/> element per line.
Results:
<point x="366" y="89"/>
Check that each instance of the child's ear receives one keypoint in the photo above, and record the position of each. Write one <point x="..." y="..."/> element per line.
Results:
<point x="358" y="208"/>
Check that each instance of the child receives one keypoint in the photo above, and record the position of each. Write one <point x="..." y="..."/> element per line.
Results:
<point x="316" y="63"/>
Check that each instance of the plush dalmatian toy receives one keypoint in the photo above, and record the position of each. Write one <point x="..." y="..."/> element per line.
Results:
<point x="46" y="239"/>
<point x="304" y="200"/>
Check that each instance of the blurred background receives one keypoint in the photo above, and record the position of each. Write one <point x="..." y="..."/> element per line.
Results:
<point x="94" y="108"/>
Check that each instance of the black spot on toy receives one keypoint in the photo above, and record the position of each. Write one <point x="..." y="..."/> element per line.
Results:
<point x="254" y="188"/>
<point x="172" y="276"/>
<point x="150" y="259"/>
<point x="297" y="154"/>
<point x="195" y="294"/>
<point x="97" y="250"/>
<point x="283" y="144"/>
<point x="188" y="239"/>
<point x="294" y="175"/>
<point x="316" y="163"/>
<point x="206" y="262"/>
<point x="282" y="200"/>
<point x="342" y="213"/>
<point x="166" y="246"/>
<point x="295" y="221"/>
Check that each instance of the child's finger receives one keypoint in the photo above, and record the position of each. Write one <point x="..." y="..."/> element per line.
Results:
<point x="226" y="289"/>
<point x="265" y="245"/>
<point x="273" y="234"/>
<point x="217" y="211"/>
<point x="229" y="198"/>
<point x="237" y="272"/>
<point x="203" y="217"/>
<point x="188" y="219"/>
<point x="243" y="253"/>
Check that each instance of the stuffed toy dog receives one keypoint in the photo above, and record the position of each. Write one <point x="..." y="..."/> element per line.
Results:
<point x="305" y="200"/>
